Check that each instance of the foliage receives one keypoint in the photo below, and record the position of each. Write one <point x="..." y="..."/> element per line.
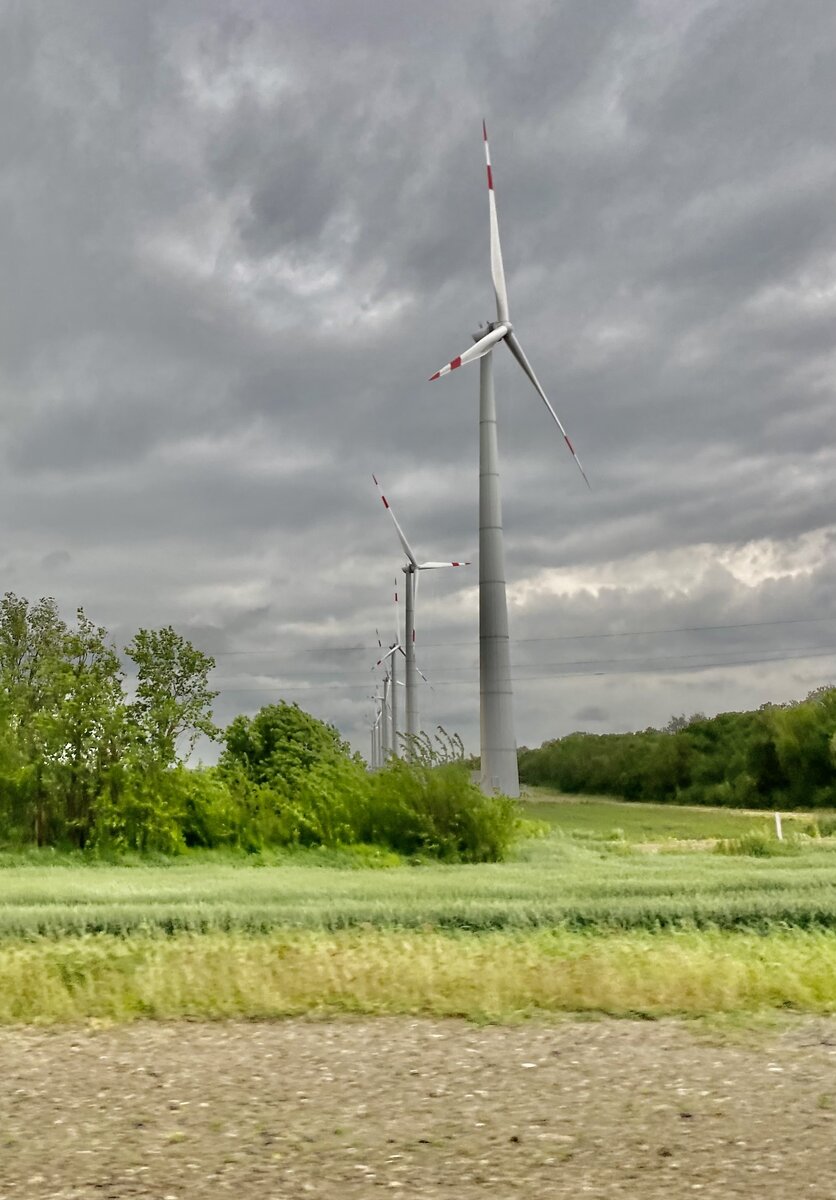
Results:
<point x="309" y="789"/>
<point x="62" y="721"/>
<point x="421" y="809"/>
<point x="442" y="747"/>
<point x="822" y="827"/>
<point x="279" y="744"/>
<point x="173" y="698"/>
<point x="78" y="764"/>
<point x="781" y="756"/>
<point x="757" y="845"/>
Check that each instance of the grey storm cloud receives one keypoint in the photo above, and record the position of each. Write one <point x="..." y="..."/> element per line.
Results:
<point x="237" y="240"/>
<point x="593" y="713"/>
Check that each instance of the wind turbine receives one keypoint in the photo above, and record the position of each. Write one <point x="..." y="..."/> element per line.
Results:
<point x="374" y="761"/>
<point x="412" y="569"/>
<point x="390" y="685"/>
<point x="496" y="716"/>
<point x="385" y="710"/>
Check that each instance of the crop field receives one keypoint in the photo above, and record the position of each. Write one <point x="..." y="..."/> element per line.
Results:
<point x="576" y="921"/>
<point x="554" y="882"/>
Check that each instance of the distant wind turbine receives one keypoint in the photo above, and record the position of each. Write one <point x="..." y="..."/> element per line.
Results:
<point x="498" y="742"/>
<point x="390" y="685"/>
<point x="385" y="709"/>
<point x="376" y="759"/>
<point x="412" y="569"/>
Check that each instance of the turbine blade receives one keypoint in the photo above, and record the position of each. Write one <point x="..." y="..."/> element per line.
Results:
<point x="401" y="535"/>
<point x="518" y="353"/>
<point x="423" y="676"/>
<point x="497" y="269"/>
<point x="431" y="566"/>
<point x="383" y="658"/>
<point x="476" y="351"/>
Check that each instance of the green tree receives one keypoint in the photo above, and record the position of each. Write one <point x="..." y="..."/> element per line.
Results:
<point x="32" y="681"/>
<point x="90" y="726"/>
<point x="279" y="744"/>
<point x="173" y="698"/>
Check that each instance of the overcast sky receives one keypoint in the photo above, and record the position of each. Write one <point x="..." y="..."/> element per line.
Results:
<point x="236" y="239"/>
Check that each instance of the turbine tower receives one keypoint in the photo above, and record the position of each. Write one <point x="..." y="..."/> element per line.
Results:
<point x="411" y="569"/>
<point x="376" y="760"/>
<point x="385" y="709"/>
<point x="499" y="771"/>
<point x="391" y="731"/>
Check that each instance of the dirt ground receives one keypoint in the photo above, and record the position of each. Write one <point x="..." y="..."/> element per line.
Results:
<point x="265" y="1111"/>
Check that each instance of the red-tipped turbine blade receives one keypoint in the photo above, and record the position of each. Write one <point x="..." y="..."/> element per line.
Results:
<point x="431" y="566"/>
<point x="497" y="269"/>
<point x="476" y="351"/>
<point x="383" y="658"/>
<point x="518" y="353"/>
<point x="401" y="534"/>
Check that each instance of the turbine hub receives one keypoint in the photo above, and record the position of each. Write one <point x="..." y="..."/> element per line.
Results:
<point x="489" y="328"/>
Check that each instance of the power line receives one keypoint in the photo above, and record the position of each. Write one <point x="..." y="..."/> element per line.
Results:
<point x="690" y="667"/>
<point x="799" y="652"/>
<point x="560" y="637"/>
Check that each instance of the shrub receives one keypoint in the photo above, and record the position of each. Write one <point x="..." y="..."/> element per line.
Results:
<point x="281" y="742"/>
<point x="822" y="827"/>
<point x="326" y="805"/>
<point x="436" y="810"/>
<point x="211" y="815"/>
<point x="145" y="812"/>
<point x="756" y="845"/>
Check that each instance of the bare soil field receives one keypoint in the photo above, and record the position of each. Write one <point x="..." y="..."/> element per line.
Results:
<point x="267" y="1111"/>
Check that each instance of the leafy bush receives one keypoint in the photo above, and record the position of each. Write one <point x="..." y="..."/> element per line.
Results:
<point x="822" y="827"/>
<point x="299" y="784"/>
<point x="327" y="805"/>
<point x="280" y="743"/>
<point x="436" y="810"/>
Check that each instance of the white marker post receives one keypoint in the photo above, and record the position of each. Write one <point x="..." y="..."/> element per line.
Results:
<point x="778" y="831"/>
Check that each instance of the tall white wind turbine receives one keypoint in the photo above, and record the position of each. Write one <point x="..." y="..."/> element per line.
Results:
<point x="496" y="716"/>
<point x="412" y="569"/>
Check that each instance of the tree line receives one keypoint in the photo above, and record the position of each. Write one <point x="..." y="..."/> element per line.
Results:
<point x="86" y="764"/>
<point x="779" y="756"/>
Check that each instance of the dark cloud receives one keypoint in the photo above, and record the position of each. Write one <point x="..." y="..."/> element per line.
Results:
<point x="236" y="244"/>
<point x="591" y="712"/>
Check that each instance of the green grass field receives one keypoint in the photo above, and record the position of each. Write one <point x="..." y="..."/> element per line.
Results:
<point x="601" y="817"/>
<point x="579" y="920"/>
<point x="555" y="881"/>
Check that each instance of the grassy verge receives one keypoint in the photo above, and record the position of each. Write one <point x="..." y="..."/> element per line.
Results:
<point x="491" y="977"/>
